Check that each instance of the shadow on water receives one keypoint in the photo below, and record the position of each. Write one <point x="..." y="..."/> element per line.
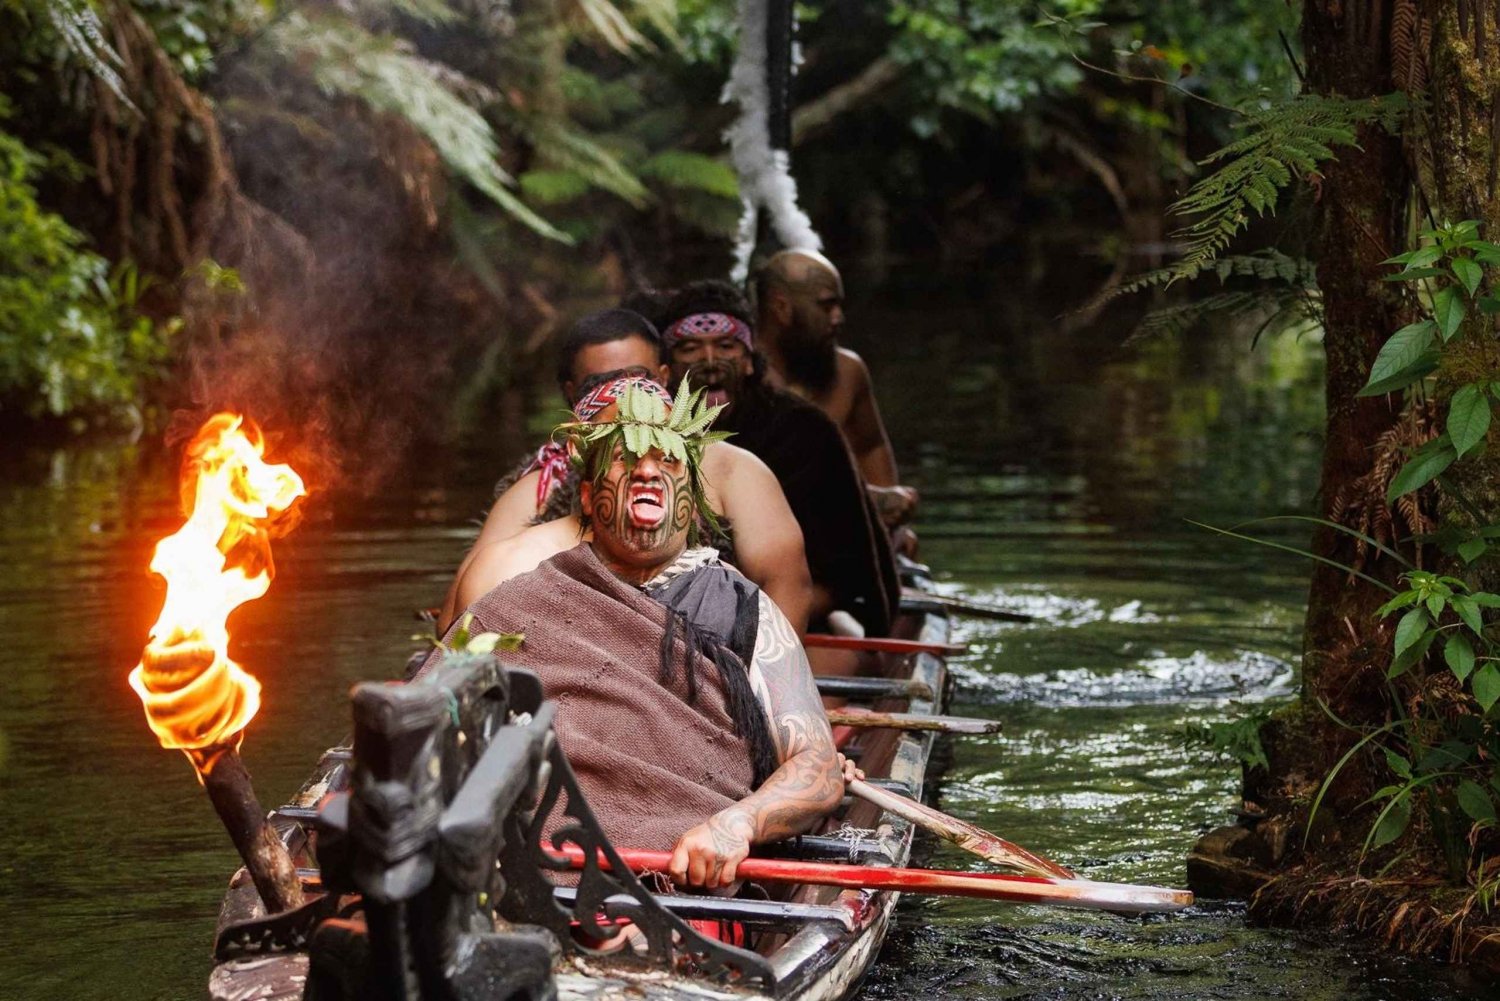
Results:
<point x="1057" y="473"/>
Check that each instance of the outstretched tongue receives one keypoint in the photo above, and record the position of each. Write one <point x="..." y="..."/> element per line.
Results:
<point x="646" y="510"/>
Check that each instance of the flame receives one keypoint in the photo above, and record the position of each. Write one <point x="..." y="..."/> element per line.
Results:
<point x="197" y="699"/>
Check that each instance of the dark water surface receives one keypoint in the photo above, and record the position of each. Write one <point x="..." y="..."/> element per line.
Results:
<point x="1057" y="473"/>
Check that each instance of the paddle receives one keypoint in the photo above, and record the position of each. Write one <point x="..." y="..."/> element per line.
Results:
<point x="913" y="600"/>
<point x="987" y="885"/>
<point x="912" y="721"/>
<point x="841" y="686"/>
<point x="880" y="644"/>
<point x="965" y="835"/>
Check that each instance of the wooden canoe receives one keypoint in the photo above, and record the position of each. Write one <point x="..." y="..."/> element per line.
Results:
<point x="819" y="941"/>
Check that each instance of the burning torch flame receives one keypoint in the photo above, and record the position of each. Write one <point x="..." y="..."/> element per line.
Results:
<point x="196" y="698"/>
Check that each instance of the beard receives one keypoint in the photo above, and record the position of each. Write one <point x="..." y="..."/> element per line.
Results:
<point x="810" y="361"/>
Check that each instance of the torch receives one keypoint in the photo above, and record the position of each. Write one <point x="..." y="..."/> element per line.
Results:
<point x="196" y="698"/>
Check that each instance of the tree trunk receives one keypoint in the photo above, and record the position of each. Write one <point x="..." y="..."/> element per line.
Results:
<point x="1362" y="222"/>
<point x="1362" y="212"/>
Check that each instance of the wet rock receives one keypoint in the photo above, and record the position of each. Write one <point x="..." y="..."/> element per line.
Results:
<point x="1227" y="862"/>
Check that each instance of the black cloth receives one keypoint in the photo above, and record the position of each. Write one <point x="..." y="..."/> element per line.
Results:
<point x="717" y="611"/>
<point x="847" y="548"/>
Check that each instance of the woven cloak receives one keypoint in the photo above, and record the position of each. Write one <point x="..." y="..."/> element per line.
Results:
<point x="651" y="765"/>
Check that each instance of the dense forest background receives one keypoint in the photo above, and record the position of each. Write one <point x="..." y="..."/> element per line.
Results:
<point x="394" y="201"/>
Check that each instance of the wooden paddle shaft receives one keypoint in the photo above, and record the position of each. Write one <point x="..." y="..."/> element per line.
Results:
<point x="989" y="886"/>
<point x="879" y="644"/>
<point x="912" y="721"/>
<point x="921" y="601"/>
<point x="960" y="832"/>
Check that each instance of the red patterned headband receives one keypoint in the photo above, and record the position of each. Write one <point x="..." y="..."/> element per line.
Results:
<point x="596" y="399"/>
<point x="710" y="325"/>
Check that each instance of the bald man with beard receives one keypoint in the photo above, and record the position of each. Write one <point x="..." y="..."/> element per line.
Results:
<point x="799" y="298"/>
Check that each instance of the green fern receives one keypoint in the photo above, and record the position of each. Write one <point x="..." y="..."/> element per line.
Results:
<point x="383" y="73"/>
<point x="1279" y="144"/>
<point x="1289" y="294"/>
<point x="694" y="172"/>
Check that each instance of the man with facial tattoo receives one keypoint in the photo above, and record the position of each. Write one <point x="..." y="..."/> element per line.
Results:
<point x="685" y="703"/>
<point x="763" y="536"/>
<point x="799" y="298"/>
<point x="707" y="329"/>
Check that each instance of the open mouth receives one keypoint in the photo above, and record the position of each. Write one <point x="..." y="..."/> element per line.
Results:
<point x="645" y="500"/>
<point x="715" y="396"/>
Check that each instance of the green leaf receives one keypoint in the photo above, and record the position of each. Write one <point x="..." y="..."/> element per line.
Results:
<point x="1449" y="309"/>
<point x="1466" y="271"/>
<point x="1489" y="304"/>
<point x="1468" y="611"/>
<point x="1459" y="654"/>
<point x="1468" y="418"/>
<point x="1409" y="630"/>
<point x="1399" y="601"/>
<point x="1402" y="350"/>
<point x="1421" y="469"/>
<point x="1421" y="257"/>
<point x="1472" y="550"/>
<point x="1398" y="764"/>
<point x="1485" y="252"/>
<point x="1446" y="756"/>
<point x="1475" y="801"/>
<point x="1414" y="274"/>
<point x="1435" y="605"/>
<point x="1392" y="822"/>
<point x="1486" y="686"/>
<point x="1485" y="599"/>
<point x="1412" y="654"/>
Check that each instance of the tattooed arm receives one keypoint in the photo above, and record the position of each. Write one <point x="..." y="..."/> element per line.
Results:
<point x="807" y="786"/>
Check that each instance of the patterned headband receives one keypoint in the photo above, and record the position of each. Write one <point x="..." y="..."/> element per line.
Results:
<point x="710" y="325"/>
<point x="595" y="400"/>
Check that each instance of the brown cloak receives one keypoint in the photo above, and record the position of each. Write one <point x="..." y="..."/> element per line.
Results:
<point x="651" y="765"/>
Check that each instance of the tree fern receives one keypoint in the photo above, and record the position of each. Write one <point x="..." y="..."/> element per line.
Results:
<point x="383" y="73"/>
<point x="1279" y="144"/>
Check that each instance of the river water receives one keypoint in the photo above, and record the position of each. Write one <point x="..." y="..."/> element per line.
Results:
<point x="1058" y="473"/>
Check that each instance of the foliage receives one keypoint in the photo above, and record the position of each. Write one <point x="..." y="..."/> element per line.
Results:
<point x="1237" y="737"/>
<point x="1285" y="295"/>
<point x="1277" y="145"/>
<point x="1443" y="747"/>
<point x="75" y="344"/>
<point x="1448" y="280"/>
<point x="466" y="642"/>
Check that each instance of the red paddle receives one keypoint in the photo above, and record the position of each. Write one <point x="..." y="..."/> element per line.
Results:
<point x="880" y="644"/>
<point x="990" y="886"/>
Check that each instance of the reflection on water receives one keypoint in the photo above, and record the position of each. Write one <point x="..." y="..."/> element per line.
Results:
<point x="1057" y="473"/>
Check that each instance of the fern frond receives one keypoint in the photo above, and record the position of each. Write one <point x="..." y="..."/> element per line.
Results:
<point x="615" y="27"/>
<point x="1280" y="144"/>
<point x="678" y="168"/>
<point x="384" y="74"/>
<point x="562" y="146"/>
<point x="82" y="35"/>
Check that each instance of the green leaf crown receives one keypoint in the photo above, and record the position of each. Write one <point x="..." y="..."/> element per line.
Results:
<point x="641" y="424"/>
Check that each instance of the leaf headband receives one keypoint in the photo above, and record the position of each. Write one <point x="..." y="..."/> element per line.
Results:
<point x="642" y="424"/>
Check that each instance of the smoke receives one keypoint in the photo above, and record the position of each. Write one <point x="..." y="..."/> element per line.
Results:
<point x="342" y="325"/>
<point x="765" y="173"/>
